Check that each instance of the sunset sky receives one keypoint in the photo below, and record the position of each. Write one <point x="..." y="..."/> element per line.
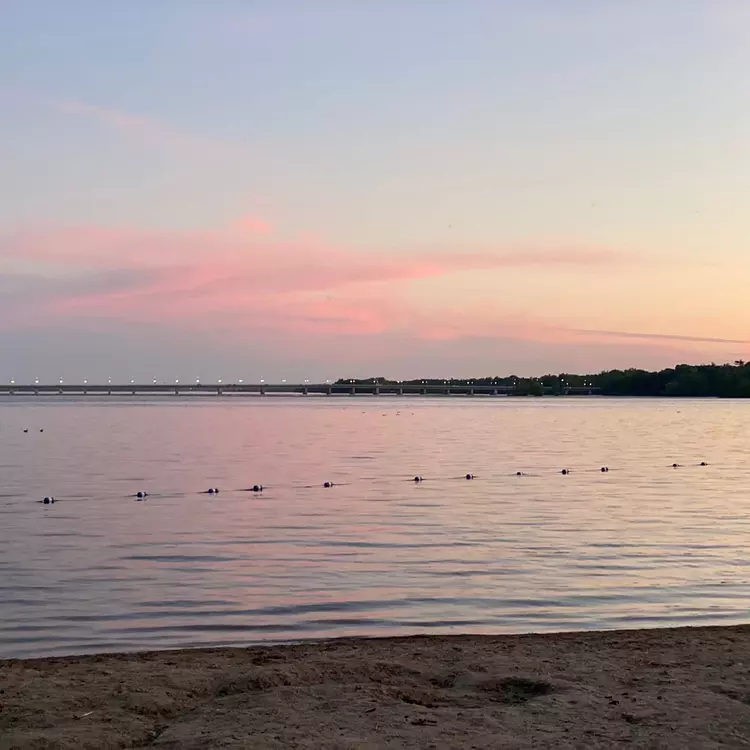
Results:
<point x="298" y="189"/>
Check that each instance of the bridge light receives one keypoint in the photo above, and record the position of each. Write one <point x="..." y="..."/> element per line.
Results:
<point x="36" y="381"/>
<point x="240" y="381"/>
<point x="12" y="382"/>
<point x="61" y="381"/>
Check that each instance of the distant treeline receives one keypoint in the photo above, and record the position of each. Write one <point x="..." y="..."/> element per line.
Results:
<point x="723" y="381"/>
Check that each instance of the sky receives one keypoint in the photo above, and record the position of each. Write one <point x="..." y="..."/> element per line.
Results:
<point x="286" y="189"/>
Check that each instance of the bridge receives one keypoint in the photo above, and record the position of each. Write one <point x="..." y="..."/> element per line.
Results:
<point x="280" y="389"/>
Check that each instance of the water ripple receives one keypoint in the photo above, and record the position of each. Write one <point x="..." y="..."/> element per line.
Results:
<point x="643" y="545"/>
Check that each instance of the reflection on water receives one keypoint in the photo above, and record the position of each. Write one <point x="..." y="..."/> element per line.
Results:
<point x="376" y="553"/>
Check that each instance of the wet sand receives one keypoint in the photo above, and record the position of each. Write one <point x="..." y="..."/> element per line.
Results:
<point x="674" y="688"/>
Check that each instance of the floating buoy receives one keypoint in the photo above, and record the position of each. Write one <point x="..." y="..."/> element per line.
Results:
<point x="605" y="468"/>
<point x="417" y="478"/>
<point x="470" y="476"/>
<point x="519" y="473"/>
<point x="703" y="463"/>
<point x="140" y="495"/>
<point x="257" y="488"/>
<point x="48" y="500"/>
<point x="26" y="430"/>
<point x="213" y="490"/>
<point x="565" y="471"/>
<point x="41" y="430"/>
<point x="328" y="484"/>
<point x="674" y="466"/>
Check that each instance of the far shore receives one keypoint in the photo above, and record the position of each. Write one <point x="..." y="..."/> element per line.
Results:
<point x="677" y="688"/>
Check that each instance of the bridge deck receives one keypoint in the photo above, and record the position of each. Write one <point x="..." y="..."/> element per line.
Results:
<point x="264" y="389"/>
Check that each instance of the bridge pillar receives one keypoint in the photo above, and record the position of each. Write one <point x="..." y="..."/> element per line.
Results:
<point x="377" y="390"/>
<point x="353" y="391"/>
<point x="494" y="393"/>
<point x="424" y="391"/>
<point x="176" y="391"/>
<point x="471" y="391"/>
<point x="304" y="391"/>
<point x="262" y="390"/>
<point x="400" y="391"/>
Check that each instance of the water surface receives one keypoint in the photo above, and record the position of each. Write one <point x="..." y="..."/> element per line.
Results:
<point x="376" y="554"/>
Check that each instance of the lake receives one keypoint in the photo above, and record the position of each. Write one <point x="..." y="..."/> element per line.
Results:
<point x="642" y="545"/>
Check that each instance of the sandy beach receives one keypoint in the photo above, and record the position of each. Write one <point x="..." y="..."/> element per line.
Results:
<point x="672" y="688"/>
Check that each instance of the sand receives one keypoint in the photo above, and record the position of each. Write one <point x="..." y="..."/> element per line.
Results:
<point x="678" y="688"/>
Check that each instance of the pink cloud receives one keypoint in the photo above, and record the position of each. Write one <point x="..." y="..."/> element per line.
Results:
<point x="119" y="120"/>
<point x="246" y="276"/>
<point x="145" y="129"/>
<point x="252" y="225"/>
<point x="247" y="246"/>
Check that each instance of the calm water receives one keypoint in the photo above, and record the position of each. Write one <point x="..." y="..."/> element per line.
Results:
<point x="642" y="545"/>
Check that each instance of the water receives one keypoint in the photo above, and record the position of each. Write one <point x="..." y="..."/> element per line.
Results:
<point x="642" y="545"/>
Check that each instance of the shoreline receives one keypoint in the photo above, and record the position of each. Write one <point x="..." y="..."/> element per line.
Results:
<point x="685" y="687"/>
